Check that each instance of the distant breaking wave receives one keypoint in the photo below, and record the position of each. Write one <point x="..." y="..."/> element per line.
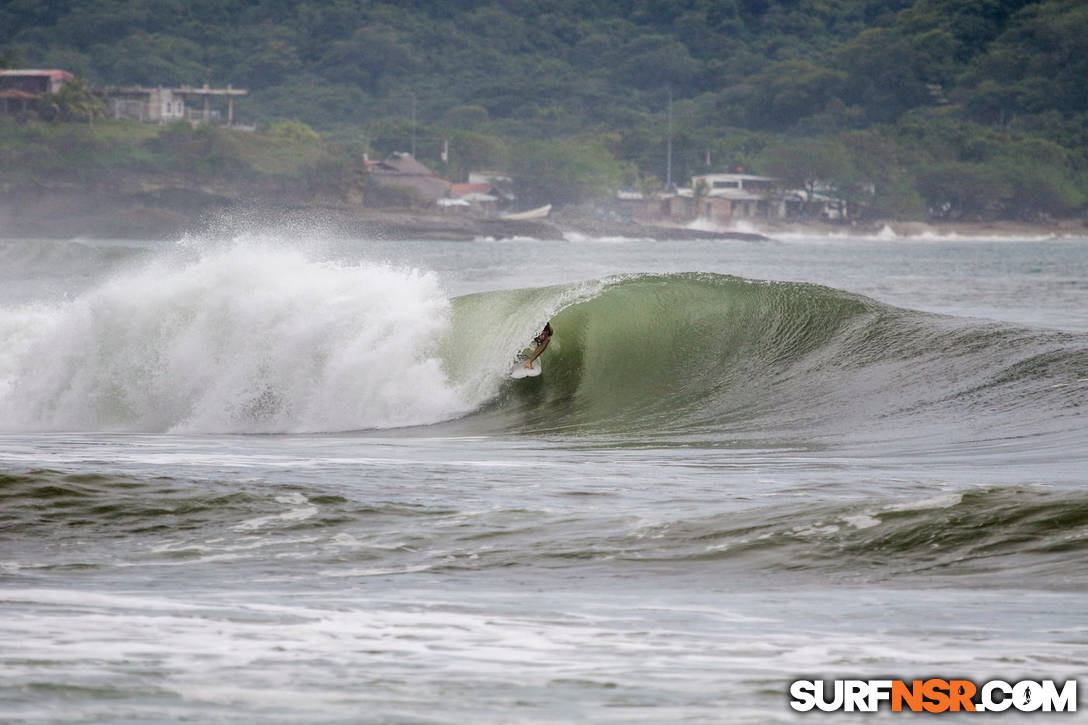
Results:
<point x="254" y="340"/>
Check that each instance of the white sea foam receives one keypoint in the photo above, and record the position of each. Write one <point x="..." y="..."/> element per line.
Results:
<point x="520" y="654"/>
<point x="862" y="521"/>
<point x="886" y="233"/>
<point x="738" y="225"/>
<point x="589" y="238"/>
<point x="302" y="510"/>
<point x="940" y="501"/>
<point x="242" y="339"/>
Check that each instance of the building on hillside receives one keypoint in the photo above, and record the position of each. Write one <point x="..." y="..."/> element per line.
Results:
<point x="823" y="206"/>
<point x="630" y="204"/>
<point x="21" y="89"/>
<point x="484" y="198"/>
<point x="163" y="105"/>
<point x="34" y="81"/>
<point x="152" y="105"/>
<point x="676" y="206"/>
<point x="401" y="169"/>
<point x="723" y="198"/>
<point x="726" y="198"/>
<point x="400" y="163"/>
<point x="735" y="182"/>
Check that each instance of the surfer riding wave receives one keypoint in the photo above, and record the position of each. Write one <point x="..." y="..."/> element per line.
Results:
<point x="541" y="341"/>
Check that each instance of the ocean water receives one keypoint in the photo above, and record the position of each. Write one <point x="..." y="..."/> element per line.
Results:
<point x="286" y="478"/>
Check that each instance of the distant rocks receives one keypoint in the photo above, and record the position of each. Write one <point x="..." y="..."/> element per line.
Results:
<point x="170" y="211"/>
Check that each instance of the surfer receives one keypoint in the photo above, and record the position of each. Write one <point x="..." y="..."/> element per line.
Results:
<point x="541" y="341"/>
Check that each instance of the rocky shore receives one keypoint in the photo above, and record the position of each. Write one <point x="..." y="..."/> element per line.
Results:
<point x="170" y="211"/>
<point x="159" y="211"/>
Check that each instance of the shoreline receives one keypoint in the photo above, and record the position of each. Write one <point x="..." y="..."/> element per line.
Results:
<point x="895" y="230"/>
<point x="172" y="213"/>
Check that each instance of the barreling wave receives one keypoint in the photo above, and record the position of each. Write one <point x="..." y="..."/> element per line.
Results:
<point x="256" y="340"/>
<point x="713" y="355"/>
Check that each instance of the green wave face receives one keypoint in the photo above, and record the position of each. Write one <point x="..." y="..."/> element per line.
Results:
<point x="713" y="355"/>
<point x="663" y="352"/>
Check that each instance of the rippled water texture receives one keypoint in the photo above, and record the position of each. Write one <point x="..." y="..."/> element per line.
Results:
<point x="286" y="478"/>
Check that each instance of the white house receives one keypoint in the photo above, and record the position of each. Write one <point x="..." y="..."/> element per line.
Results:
<point x="723" y="198"/>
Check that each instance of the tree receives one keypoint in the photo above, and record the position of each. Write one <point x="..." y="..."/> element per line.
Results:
<point x="810" y="164"/>
<point x="565" y="171"/>
<point x="307" y="98"/>
<point x="467" y="117"/>
<point x="294" y="130"/>
<point x="883" y="76"/>
<point x="1039" y="62"/>
<point x="151" y="59"/>
<point x="656" y="61"/>
<point x="367" y="59"/>
<point x="12" y="57"/>
<point x="960" y="190"/>
<point x="271" y="56"/>
<point x="470" y="151"/>
<point x="789" y="91"/>
<point x="73" y="102"/>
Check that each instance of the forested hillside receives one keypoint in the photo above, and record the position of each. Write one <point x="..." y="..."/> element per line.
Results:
<point x="951" y="108"/>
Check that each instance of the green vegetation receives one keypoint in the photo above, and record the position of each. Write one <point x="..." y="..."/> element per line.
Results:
<point x="952" y="108"/>
<point x="34" y="150"/>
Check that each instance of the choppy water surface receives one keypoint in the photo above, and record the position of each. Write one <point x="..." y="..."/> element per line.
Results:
<point x="285" y="479"/>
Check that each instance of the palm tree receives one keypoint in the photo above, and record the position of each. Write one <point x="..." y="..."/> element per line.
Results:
<point x="74" y="102"/>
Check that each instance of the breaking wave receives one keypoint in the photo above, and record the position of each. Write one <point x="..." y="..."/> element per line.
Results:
<point x="257" y="340"/>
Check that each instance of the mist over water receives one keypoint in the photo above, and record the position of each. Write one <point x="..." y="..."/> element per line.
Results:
<point x="297" y="465"/>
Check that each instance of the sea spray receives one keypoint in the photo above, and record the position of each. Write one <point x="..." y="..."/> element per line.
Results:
<point x="255" y="336"/>
<point x="235" y="339"/>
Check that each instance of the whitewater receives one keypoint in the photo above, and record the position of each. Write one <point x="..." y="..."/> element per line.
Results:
<point x="286" y="477"/>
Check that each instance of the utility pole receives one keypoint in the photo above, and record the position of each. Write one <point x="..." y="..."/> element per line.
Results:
<point x="668" y="149"/>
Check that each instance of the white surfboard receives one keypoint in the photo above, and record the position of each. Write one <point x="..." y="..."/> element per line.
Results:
<point x="520" y="371"/>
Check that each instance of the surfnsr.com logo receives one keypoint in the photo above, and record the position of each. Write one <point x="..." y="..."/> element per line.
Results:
<point x="933" y="695"/>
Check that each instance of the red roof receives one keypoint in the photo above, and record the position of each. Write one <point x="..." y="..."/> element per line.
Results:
<point x="52" y="74"/>
<point x="463" y="189"/>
